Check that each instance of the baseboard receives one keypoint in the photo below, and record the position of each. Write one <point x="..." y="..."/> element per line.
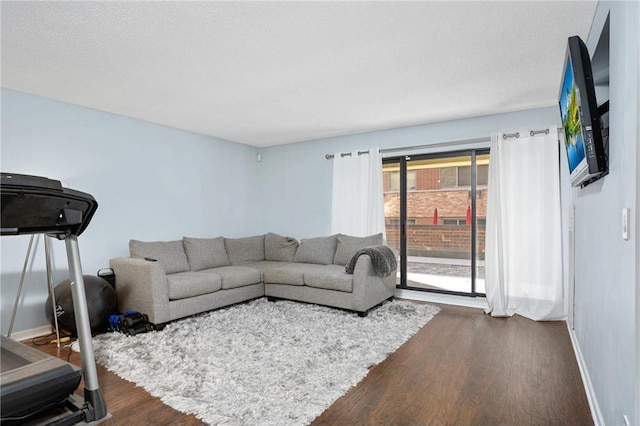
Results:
<point x="31" y="333"/>
<point x="447" y="299"/>
<point x="596" y="414"/>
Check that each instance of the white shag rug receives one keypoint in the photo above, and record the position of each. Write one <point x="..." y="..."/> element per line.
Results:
<point x="261" y="363"/>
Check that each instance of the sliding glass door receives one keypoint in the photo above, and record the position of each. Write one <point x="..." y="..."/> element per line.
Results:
<point x="435" y="215"/>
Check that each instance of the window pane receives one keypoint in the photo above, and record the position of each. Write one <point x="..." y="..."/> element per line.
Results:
<point x="447" y="177"/>
<point x="438" y="207"/>
<point x="464" y="176"/>
<point x="439" y="240"/>
<point x="394" y="181"/>
<point x="411" y="180"/>
<point x="482" y="177"/>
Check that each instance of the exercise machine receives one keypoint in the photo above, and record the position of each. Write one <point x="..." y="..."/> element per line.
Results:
<point x="38" y="205"/>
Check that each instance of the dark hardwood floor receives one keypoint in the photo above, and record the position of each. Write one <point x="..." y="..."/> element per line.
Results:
<point x="462" y="368"/>
<point x="466" y="368"/>
<point x="126" y="403"/>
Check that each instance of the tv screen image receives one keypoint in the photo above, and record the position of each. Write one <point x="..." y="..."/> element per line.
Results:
<point x="570" y="111"/>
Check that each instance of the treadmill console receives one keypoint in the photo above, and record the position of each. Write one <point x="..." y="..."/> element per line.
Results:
<point x="34" y="205"/>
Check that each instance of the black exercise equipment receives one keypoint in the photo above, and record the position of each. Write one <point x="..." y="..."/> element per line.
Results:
<point x="101" y="303"/>
<point x="131" y="323"/>
<point x="37" y="205"/>
<point x="49" y="380"/>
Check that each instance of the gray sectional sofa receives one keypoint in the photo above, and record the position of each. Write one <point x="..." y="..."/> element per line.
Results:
<point x="175" y="279"/>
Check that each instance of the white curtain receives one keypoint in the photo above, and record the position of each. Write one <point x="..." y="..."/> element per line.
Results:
<point x="523" y="234"/>
<point x="358" y="203"/>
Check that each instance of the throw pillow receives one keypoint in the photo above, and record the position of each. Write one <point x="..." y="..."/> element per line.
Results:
<point x="169" y="254"/>
<point x="348" y="246"/>
<point x="205" y="253"/>
<point x="320" y="250"/>
<point x="277" y="247"/>
<point x="245" y="250"/>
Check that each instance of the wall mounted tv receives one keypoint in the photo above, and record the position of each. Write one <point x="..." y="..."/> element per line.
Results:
<point x="580" y="117"/>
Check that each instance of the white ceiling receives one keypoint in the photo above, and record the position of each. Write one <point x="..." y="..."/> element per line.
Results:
<point x="269" y="73"/>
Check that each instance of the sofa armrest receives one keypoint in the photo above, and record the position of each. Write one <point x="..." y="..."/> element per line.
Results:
<point x="368" y="288"/>
<point x="141" y="285"/>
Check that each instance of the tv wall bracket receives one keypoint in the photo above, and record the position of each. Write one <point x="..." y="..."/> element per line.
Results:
<point x="605" y="139"/>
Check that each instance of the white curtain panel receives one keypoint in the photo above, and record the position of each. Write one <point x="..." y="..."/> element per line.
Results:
<point x="524" y="234"/>
<point x="358" y="202"/>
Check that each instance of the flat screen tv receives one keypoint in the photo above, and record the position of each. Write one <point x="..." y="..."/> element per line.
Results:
<point x="580" y="116"/>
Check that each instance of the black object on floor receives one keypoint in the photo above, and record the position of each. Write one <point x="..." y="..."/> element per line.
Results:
<point x="101" y="303"/>
<point x="131" y="323"/>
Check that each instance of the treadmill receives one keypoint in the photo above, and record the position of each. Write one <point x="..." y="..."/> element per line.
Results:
<point x="30" y="381"/>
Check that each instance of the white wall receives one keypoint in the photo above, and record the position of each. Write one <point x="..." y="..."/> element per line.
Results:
<point x="605" y="265"/>
<point x="151" y="183"/>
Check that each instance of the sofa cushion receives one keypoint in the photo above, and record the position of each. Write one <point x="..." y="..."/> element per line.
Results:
<point x="190" y="284"/>
<point x="320" y="250"/>
<point x="245" y="250"/>
<point x="235" y="276"/>
<point x="291" y="273"/>
<point x="169" y="254"/>
<point x="348" y="246"/>
<point x="205" y="253"/>
<point x="277" y="247"/>
<point x="264" y="265"/>
<point x="331" y="277"/>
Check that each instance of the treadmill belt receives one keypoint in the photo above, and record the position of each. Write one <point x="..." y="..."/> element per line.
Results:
<point x="31" y="379"/>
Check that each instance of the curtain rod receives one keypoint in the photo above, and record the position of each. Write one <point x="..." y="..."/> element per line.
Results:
<point x="407" y="148"/>
<point x="344" y="154"/>
<point x="448" y="143"/>
<point x="531" y="133"/>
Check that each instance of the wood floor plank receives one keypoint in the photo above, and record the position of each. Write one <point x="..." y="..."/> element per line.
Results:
<point x="462" y="368"/>
<point x="127" y="403"/>
<point x="467" y="368"/>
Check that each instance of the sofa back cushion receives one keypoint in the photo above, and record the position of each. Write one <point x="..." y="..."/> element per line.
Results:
<point x="348" y="246"/>
<point x="245" y="250"/>
<point x="320" y="250"/>
<point x="277" y="247"/>
<point x="205" y="253"/>
<point x="169" y="254"/>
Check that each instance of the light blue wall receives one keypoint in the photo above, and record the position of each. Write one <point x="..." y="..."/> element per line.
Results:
<point x="151" y="182"/>
<point x="159" y="183"/>
<point x="296" y="179"/>
<point x="605" y="264"/>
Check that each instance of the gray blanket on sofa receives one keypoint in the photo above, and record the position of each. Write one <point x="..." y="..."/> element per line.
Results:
<point x="383" y="260"/>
